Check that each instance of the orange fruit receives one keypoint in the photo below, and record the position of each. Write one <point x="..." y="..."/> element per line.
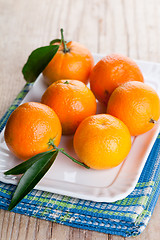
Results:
<point x="137" y="105"/>
<point x="72" y="61"/>
<point x="29" y="129"/>
<point x="110" y="72"/>
<point x="102" y="141"/>
<point x="72" y="101"/>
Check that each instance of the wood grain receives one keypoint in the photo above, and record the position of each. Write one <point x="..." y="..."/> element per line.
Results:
<point x="129" y="27"/>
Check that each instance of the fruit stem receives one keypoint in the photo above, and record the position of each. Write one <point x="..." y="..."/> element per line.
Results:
<point x="152" y="121"/>
<point x="66" y="82"/>
<point x="62" y="151"/>
<point x="65" y="50"/>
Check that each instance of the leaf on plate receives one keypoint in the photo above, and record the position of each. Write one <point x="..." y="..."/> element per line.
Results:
<point x="32" y="176"/>
<point x="37" y="62"/>
<point x="22" y="167"/>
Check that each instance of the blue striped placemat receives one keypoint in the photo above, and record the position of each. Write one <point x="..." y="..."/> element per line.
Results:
<point x="127" y="217"/>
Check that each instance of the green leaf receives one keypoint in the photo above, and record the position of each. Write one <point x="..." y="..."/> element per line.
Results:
<point x="22" y="167"/>
<point x="58" y="41"/>
<point x="31" y="177"/>
<point x="55" y="41"/>
<point x="37" y="62"/>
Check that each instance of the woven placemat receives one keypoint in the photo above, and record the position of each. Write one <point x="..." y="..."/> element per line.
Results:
<point x="127" y="217"/>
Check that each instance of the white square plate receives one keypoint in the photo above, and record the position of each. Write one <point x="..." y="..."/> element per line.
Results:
<point x="68" y="178"/>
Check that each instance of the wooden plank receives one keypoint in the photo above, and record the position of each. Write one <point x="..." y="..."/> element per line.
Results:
<point x="31" y="230"/>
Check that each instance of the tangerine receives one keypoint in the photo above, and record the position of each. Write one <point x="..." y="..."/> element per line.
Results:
<point x="72" y="61"/>
<point x="110" y="72"/>
<point x="29" y="129"/>
<point x="137" y="105"/>
<point x="102" y="141"/>
<point x="72" y="101"/>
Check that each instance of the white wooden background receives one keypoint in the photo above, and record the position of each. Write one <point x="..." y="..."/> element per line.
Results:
<point x="129" y="27"/>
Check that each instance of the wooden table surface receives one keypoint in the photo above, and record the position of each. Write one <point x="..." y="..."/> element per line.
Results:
<point x="129" y="27"/>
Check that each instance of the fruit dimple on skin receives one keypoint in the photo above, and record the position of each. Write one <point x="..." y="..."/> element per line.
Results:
<point x="102" y="141"/>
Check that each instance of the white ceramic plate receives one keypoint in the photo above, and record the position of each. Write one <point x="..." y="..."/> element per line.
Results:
<point x="68" y="178"/>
